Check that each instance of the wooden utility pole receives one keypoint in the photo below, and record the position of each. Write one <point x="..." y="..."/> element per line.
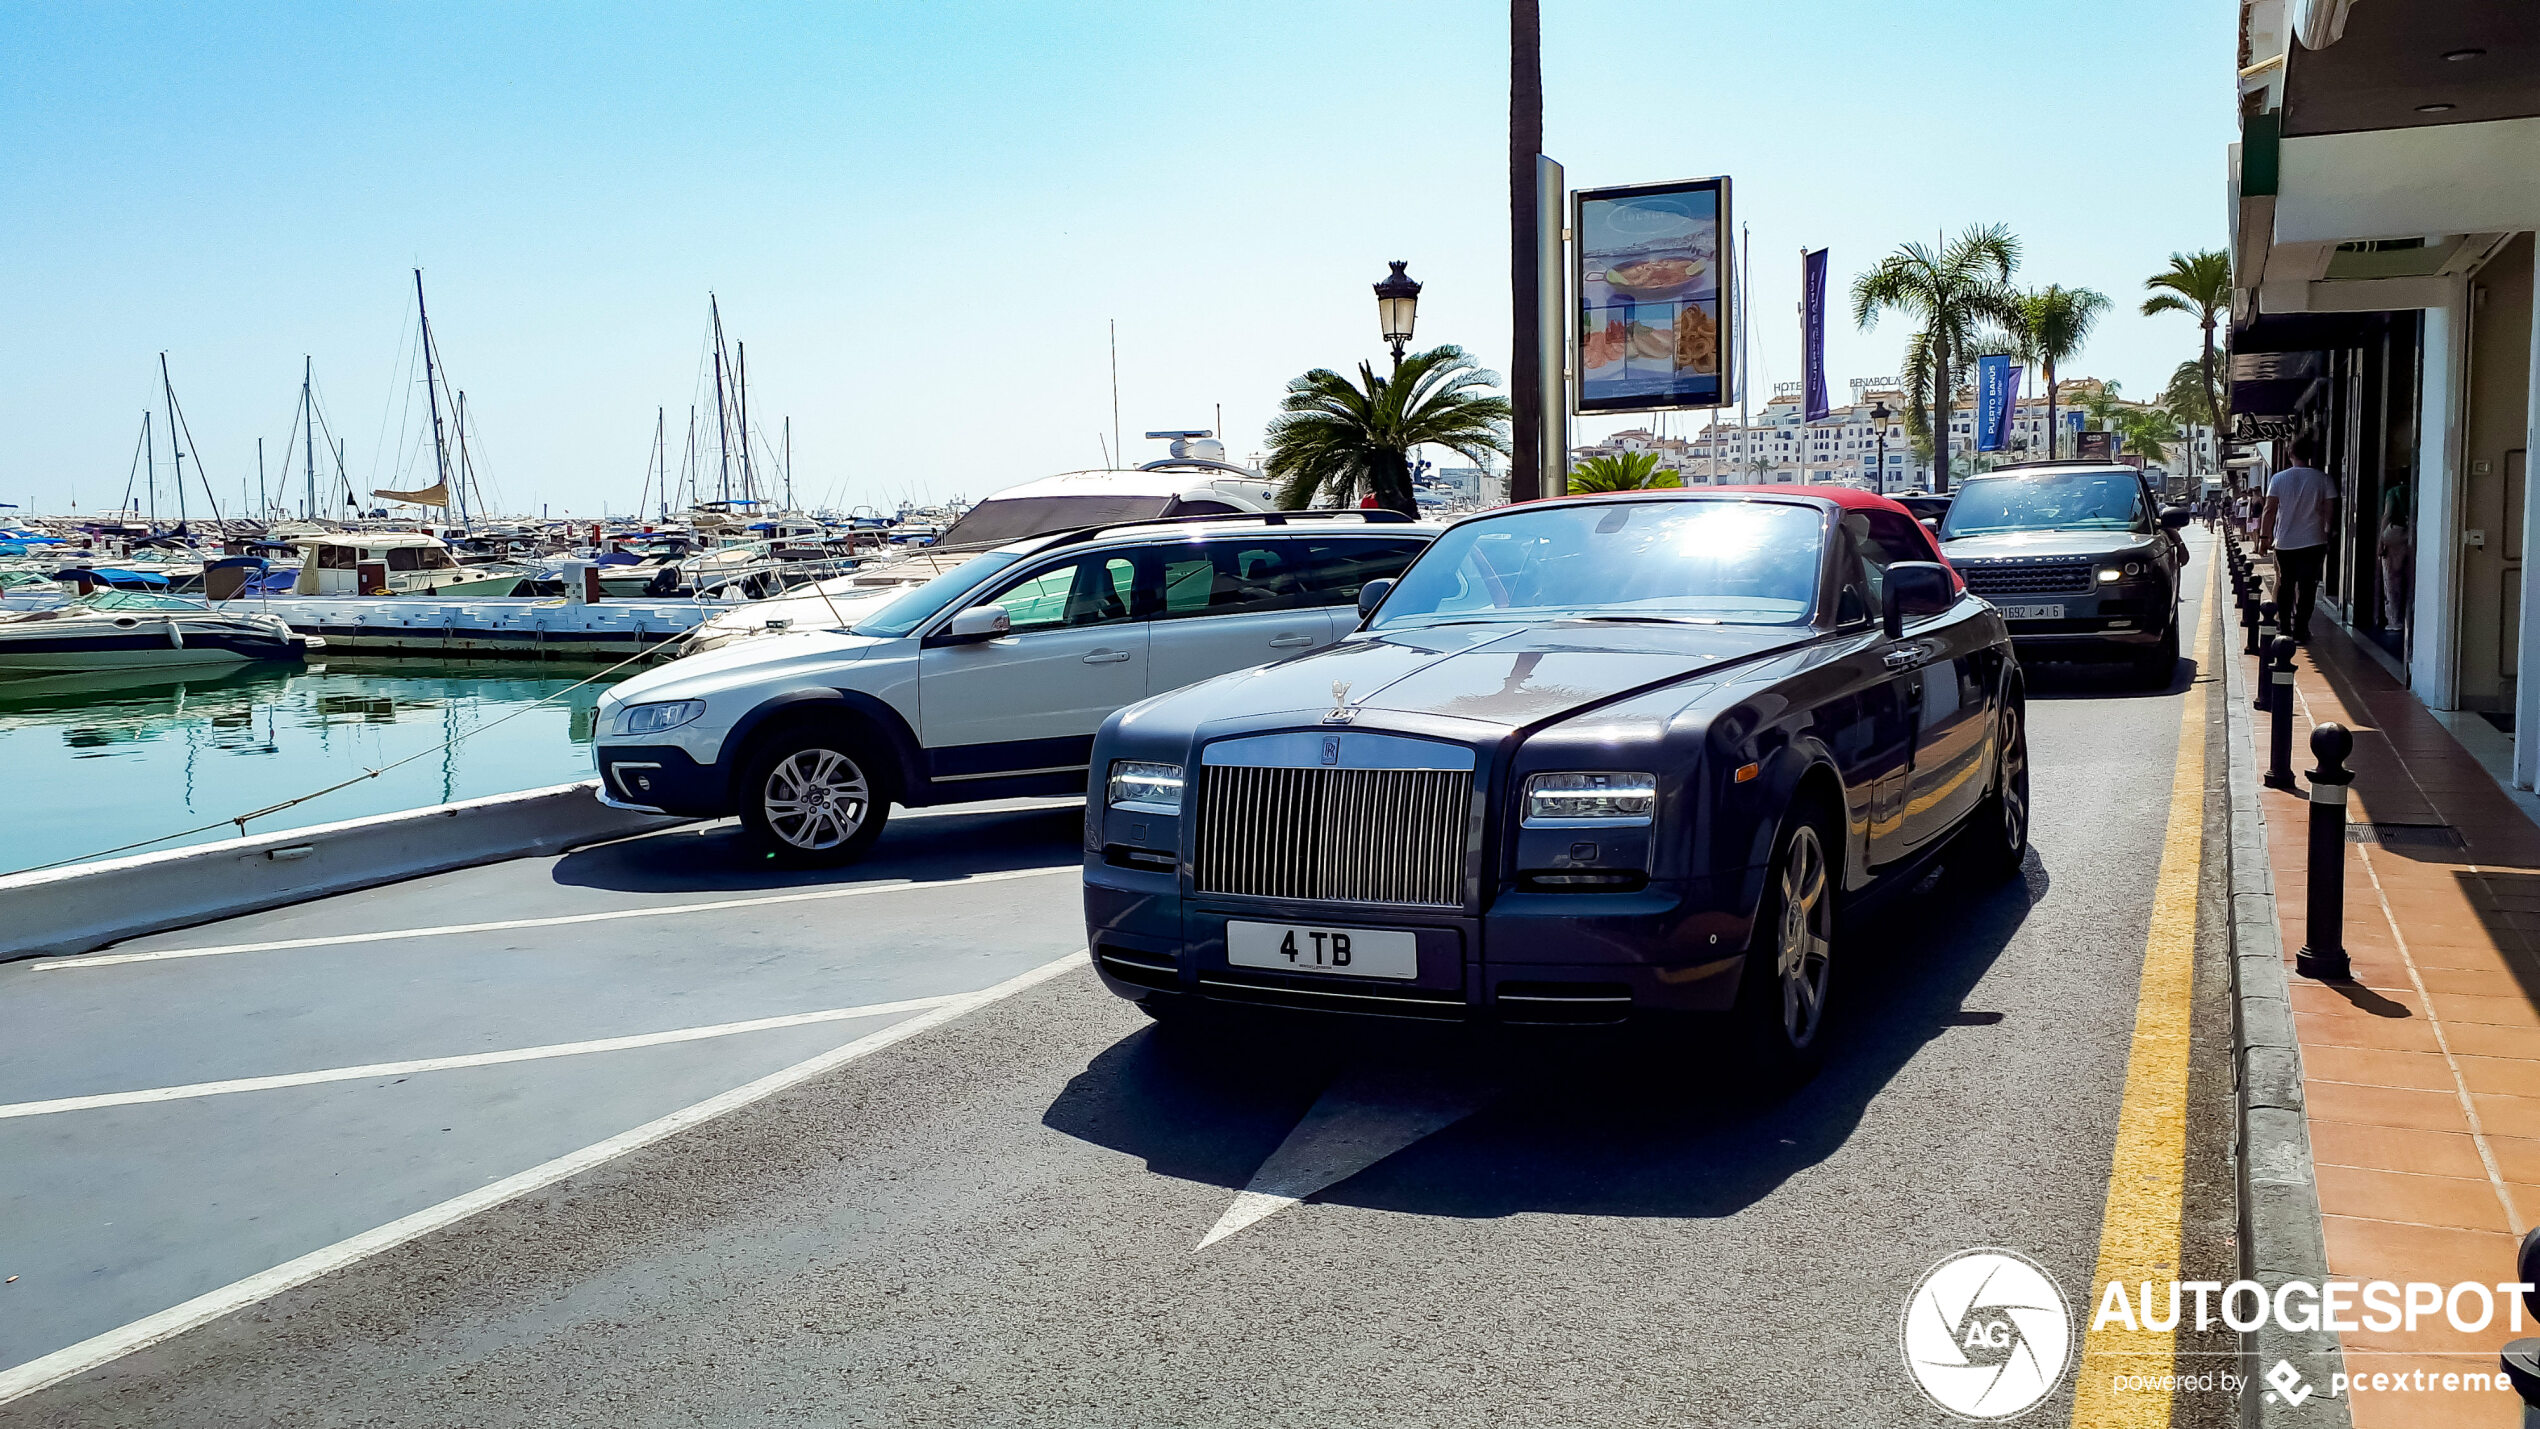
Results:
<point x="1525" y="140"/>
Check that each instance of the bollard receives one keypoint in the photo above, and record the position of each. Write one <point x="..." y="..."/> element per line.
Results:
<point x="2323" y="954"/>
<point x="2278" y="680"/>
<point x="2262" y="699"/>
<point x="2249" y="621"/>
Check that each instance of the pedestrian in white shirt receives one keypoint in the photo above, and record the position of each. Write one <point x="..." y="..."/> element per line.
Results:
<point x="2301" y="507"/>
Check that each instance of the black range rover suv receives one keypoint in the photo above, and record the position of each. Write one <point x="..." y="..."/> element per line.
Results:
<point x="2077" y="557"/>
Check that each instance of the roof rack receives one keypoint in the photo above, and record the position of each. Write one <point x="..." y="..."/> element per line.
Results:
<point x="1365" y="516"/>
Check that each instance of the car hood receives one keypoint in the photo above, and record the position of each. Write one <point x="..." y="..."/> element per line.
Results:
<point x="753" y="662"/>
<point x="1505" y="674"/>
<point x="2012" y="544"/>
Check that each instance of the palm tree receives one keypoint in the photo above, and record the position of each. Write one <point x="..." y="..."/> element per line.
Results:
<point x="1333" y="439"/>
<point x="2100" y="407"/>
<point x="2149" y="430"/>
<point x="1949" y="289"/>
<point x="1621" y="471"/>
<point x="2198" y="283"/>
<point x="2184" y="397"/>
<point x="2054" y="322"/>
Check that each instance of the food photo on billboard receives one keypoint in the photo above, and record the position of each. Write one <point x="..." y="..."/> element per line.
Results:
<point x="1653" y="292"/>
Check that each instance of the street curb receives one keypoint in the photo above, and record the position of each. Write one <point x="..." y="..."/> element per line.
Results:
<point x="86" y="906"/>
<point x="2280" y="1235"/>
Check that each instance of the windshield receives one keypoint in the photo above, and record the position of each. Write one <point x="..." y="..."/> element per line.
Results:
<point x="1744" y="562"/>
<point x="2049" y="501"/>
<point x="909" y="611"/>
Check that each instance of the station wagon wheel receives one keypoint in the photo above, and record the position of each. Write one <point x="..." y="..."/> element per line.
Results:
<point x="812" y="799"/>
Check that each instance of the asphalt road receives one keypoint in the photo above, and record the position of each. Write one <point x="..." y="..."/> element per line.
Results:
<point x="1040" y="1211"/>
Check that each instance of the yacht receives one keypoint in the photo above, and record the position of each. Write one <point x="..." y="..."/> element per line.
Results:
<point x="131" y="630"/>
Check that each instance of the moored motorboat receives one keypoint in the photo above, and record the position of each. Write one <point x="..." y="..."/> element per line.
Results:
<point x="125" y="630"/>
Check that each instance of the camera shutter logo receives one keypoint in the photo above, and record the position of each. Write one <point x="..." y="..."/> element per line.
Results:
<point x="1986" y="1334"/>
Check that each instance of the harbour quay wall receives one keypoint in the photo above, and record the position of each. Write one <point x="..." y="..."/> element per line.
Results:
<point x="79" y="909"/>
<point x="520" y="628"/>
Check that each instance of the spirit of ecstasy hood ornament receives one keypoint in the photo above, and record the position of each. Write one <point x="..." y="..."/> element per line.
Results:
<point x="1341" y="712"/>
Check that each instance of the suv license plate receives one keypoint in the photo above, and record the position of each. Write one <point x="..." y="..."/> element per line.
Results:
<point x="2032" y="612"/>
<point x="1303" y="947"/>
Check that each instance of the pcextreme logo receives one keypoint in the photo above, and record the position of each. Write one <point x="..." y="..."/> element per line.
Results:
<point x="1986" y="1334"/>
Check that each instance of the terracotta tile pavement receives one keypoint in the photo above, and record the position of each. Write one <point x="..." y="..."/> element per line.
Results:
<point x="2422" y="1077"/>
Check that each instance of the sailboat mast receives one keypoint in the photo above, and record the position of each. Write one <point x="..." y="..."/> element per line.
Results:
<point x="264" y="505"/>
<point x="432" y="393"/>
<point x="688" y="459"/>
<point x="789" y="463"/>
<point x="150" y="454"/>
<point x="308" y="428"/>
<point x="167" y="389"/>
<point x="722" y="405"/>
<point x="741" y="398"/>
<point x="467" y="468"/>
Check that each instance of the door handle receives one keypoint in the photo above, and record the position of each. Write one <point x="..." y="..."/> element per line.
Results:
<point x="1903" y="659"/>
<point x="1290" y="642"/>
<point x="1106" y="657"/>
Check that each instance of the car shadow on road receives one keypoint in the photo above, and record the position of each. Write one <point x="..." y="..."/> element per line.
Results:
<point x="714" y="858"/>
<point x="2075" y="680"/>
<point x="1589" y="1122"/>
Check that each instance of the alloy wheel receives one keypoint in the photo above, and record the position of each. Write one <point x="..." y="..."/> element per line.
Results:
<point x="1806" y="943"/>
<point x="2014" y="781"/>
<point x="816" y="799"/>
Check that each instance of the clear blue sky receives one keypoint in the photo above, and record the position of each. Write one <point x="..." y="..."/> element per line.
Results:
<point x="921" y="217"/>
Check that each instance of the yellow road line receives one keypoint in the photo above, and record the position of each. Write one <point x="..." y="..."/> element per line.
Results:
<point x="2139" y="1233"/>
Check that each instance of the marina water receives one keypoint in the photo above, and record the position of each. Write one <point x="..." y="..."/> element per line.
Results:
<point x="97" y="762"/>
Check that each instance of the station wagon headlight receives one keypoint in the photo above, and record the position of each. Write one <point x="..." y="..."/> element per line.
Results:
<point x="653" y="719"/>
<point x="1595" y="797"/>
<point x="1146" y="788"/>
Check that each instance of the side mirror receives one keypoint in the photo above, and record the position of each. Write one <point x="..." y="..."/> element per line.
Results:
<point x="979" y="622"/>
<point x="1372" y="595"/>
<point x="1932" y="524"/>
<point x="2175" y="517"/>
<point x="1913" y="588"/>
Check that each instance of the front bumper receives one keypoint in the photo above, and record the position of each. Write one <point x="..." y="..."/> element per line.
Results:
<point x="1528" y="958"/>
<point x="661" y="779"/>
<point x="2127" y="624"/>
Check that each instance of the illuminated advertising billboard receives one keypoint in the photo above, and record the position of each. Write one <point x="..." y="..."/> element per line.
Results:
<point x="1654" y="304"/>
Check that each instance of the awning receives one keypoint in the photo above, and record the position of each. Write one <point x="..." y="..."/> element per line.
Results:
<point x="437" y="494"/>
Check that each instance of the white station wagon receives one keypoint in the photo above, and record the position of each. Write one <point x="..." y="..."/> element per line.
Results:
<point x="987" y="682"/>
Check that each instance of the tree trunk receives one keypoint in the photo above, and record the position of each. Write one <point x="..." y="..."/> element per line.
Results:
<point x="1393" y="484"/>
<point x="2213" y="395"/>
<point x="1525" y="140"/>
<point x="2051" y="428"/>
<point x="1940" y="411"/>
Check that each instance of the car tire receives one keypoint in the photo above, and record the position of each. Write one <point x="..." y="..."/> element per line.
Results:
<point x="1995" y="842"/>
<point x="1780" y="1014"/>
<point x="2157" y="669"/>
<point x="814" y="797"/>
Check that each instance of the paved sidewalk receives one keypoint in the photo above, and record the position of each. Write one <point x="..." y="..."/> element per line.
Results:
<point x="2422" y="1077"/>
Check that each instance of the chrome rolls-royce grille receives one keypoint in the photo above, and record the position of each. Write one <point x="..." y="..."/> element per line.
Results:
<point x="1345" y="835"/>
<point x="2071" y="577"/>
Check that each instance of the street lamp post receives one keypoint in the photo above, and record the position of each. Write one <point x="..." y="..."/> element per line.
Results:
<point x="1397" y="307"/>
<point x="1879" y="415"/>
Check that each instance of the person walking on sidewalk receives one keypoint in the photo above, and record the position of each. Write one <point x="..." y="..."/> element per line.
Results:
<point x="2301" y="506"/>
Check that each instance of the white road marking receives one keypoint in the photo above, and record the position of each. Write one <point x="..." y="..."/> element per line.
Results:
<point x="191" y="1090"/>
<point x="902" y="885"/>
<point x="149" y="1330"/>
<point x="1366" y="1115"/>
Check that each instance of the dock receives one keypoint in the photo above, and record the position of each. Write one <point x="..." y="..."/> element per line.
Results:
<point x="531" y="628"/>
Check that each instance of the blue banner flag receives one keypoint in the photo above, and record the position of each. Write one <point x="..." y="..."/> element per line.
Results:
<point x="1812" y="334"/>
<point x="1997" y="397"/>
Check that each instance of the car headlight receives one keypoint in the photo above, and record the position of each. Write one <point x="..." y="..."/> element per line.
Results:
<point x="1146" y="788"/>
<point x="653" y="719"/>
<point x="1594" y="797"/>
